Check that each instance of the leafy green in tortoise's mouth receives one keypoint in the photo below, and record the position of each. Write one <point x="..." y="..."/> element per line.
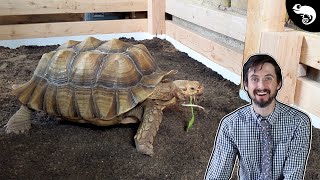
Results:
<point x="191" y="103"/>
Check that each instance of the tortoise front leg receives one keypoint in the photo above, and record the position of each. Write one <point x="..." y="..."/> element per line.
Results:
<point x="148" y="128"/>
<point x="20" y="121"/>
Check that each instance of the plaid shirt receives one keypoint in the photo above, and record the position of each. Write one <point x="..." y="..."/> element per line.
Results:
<point x="240" y="136"/>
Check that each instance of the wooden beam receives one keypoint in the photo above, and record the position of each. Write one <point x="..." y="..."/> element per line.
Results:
<point x="156" y="17"/>
<point x="262" y="16"/>
<point x="220" y="54"/>
<point x="285" y="47"/>
<point x="42" y="30"/>
<point x="41" y="18"/>
<point x="307" y="95"/>
<point x="219" y="21"/>
<point x="24" y="7"/>
<point x="310" y="54"/>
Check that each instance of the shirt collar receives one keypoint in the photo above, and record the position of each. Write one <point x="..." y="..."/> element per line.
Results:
<point x="272" y="118"/>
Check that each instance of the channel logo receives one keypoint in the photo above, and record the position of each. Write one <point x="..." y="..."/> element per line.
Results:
<point x="303" y="14"/>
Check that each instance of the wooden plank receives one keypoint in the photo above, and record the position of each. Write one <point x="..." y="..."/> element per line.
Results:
<point x="220" y="54"/>
<point x="42" y="30"/>
<point x="219" y="21"/>
<point x="262" y="16"/>
<point x="285" y="47"/>
<point x="307" y="95"/>
<point x="156" y="17"/>
<point x="22" y="7"/>
<point x="41" y="18"/>
<point x="310" y="54"/>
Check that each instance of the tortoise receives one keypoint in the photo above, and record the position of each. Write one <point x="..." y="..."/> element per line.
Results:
<point x="102" y="83"/>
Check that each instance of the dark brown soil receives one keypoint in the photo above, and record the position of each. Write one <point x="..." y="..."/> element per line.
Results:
<point x="55" y="149"/>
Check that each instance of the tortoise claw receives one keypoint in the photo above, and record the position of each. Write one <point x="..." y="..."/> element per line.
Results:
<point x="146" y="149"/>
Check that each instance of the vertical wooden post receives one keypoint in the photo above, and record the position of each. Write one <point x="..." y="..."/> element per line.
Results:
<point x="156" y="17"/>
<point x="262" y="16"/>
<point x="285" y="47"/>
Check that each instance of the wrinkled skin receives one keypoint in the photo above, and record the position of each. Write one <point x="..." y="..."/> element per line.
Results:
<point x="165" y="94"/>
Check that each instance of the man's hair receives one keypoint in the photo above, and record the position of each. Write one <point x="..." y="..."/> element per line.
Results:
<point x="255" y="61"/>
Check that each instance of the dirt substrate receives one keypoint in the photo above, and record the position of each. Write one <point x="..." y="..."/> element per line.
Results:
<point x="56" y="149"/>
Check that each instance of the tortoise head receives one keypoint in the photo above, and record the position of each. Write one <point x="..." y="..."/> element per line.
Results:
<point x="184" y="89"/>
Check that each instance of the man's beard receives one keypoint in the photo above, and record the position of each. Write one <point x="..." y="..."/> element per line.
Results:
<point x="262" y="103"/>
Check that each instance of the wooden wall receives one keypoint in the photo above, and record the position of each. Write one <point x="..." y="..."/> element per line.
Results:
<point x="38" y="7"/>
<point x="260" y="30"/>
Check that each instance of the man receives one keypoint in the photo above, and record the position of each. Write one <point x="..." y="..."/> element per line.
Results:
<point x="270" y="139"/>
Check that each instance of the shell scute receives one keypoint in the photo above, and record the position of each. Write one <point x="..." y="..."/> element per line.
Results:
<point x="37" y="97"/>
<point x="50" y="103"/>
<point x="106" y="102"/>
<point x="139" y="93"/>
<point x="143" y="60"/>
<point x="84" y="102"/>
<point x="58" y="71"/>
<point x="125" y="101"/>
<point x="85" y="68"/>
<point x="43" y="64"/>
<point x="118" y="71"/>
<point x="113" y="46"/>
<point x="66" y="102"/>
<point x="88" y="44"/>
<point x="68" y="44"/>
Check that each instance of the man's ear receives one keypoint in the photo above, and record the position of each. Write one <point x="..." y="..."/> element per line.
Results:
<point x="279" y="85"/>
<point x="245" y="85"/>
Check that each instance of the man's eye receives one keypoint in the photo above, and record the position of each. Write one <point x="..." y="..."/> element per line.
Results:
<point x="255" y="79"/>
<point x="268" y="78"/>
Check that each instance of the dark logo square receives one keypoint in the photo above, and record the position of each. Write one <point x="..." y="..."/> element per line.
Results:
<point x="305" y="14"/>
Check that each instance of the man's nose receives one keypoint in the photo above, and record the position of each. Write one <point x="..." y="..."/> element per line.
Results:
<point x="261" y="84"/>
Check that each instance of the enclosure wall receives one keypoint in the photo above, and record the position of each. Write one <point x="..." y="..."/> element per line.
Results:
<point x="44" y="7"/>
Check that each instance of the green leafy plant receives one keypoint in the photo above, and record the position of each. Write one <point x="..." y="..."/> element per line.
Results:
<point x="191" y="121"/>
<point x="191" y="105"/>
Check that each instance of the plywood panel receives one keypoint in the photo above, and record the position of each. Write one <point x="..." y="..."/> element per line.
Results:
<point x="230" y="25"/>
<point x="310" y="54"/>
<point x="307" y="95"/>
<point x="22" y="7"/>
<point x="285" y="47"/>
<point x="22" y="31"/>
<point x="218" y="53"/>
<point x="156" y="17"/>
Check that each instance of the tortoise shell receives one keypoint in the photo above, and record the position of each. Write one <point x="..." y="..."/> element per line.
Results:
<point x="91" y="80"/>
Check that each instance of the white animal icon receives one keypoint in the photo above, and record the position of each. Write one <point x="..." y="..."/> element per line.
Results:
<point x="305" y="11"/>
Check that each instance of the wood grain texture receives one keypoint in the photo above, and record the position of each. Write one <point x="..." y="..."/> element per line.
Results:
<point x="23" y="7"/>
<point x="262" y="16"/>
<point x="218" y="53"/>
<point x="307" y="95"/>
<point x="310" y="54"/>
<point x="285" y="47"/>
<point x="156" y="17"/>
<point x="219" y="21"/>
<point x="22" y="31"/>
